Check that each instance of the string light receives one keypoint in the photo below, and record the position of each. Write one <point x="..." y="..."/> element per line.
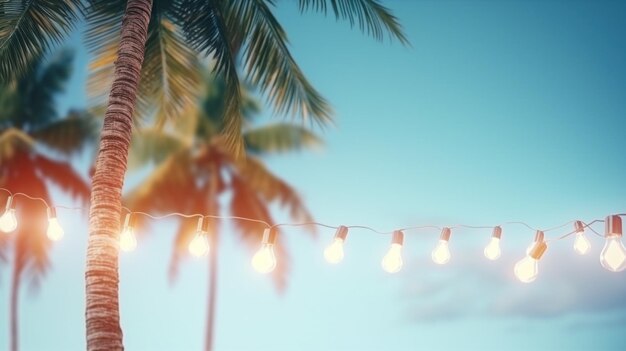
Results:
<point x="392" y="262"/>
<point x="613" y="255"/>
<point x="264" y="261"/>
<point x="199" y="245"/>
<point x="8" y="221"/>
<point x="441" y="253"/>
<point x="55" y="231"/>
<point x="581" y="243"/>
<point x="128" y="241"/>
<point x="526" y="269"/>
<point x="334" y="252"/>
<point x="492" y="250"/>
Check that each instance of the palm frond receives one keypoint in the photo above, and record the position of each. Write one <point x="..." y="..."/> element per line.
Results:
<point x="63" y="175"/>
<point x="67" y="135"/>
<point x="153" y="146"/>
<point x="12" y="142"/>
<point x="206" y="30"/>
<point x="269" y="64"/>
<point x="371" y="17"/>
<point x="280" y="137"/>
<point x="29" y="28"/>
<point x="171" y="72"/>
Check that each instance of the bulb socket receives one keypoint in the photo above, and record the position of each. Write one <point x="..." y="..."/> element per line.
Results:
<point x="579" y="227"/>
<point x="445" y="234"/>
<point x="341" y="233"/>
<point x="206" y="223"/>
<point x="539" y="236"/>
<point x="269" y="236"/>
<point x="613" y="226"/>
<point x="129" y="221"/>
<point x="52" y="212"/>
<point x="497" y="232"/>
<point x="9" y="202"/>
<point x="397" y="237"/>
<point x="538" y="250"/>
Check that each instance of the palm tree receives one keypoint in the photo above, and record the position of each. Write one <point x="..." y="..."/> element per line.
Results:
<point x="172" y="31"/>
<point x="192" y="159"/>
<point x="34" y="147"/>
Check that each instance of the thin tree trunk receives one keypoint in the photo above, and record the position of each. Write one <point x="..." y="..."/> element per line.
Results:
<point x="213" y="270"/>
<point x="101" y="276"/>
<point x="15" y="289"/>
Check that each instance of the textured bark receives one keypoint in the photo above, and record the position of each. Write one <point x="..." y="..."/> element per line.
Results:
<point x="15" y="290"/>
<point x="101" y="276"/>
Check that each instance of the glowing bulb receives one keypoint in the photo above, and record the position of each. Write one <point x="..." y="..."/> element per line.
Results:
<point x="8" y="221"/>
<point x="54" y="232"/>
<point x="392" y="262"/>
<point x="334" y="252"/>
<point x="128" y="242"/>
<point x="199" y="246"/>
<point x="613" y="255"/>
<point x="492" y="250"/>
<point x="581" y="244"/>
<point x="264" y="261"/>
<point x="526" y="269"/>
<point x="441" y="253"/>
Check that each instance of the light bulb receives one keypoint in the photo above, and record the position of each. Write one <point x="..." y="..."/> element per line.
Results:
<point x="581" y="244"/>
<point x="526" y="269"/>
<point x="199" y="245"/>
<point x="392" y="262"/>
<point x="492" y="250"/>
<point x="613" y="255"/>
<point x="128" y="242"/>
<point x="441" y="253"/>
<point x="334" y="252"/>
<point x="54" y="232"/>
<point x="8" y="221"/>
<point x="264" y="261"/>
<point x="539" y="236"/>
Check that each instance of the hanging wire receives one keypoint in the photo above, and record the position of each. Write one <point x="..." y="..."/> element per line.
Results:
<point x="268" y="225"/>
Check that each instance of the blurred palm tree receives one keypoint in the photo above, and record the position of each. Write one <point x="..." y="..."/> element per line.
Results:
<point x="35" y="144"/>
<point x="194" y="168"/>
<point x="159" y="41"/>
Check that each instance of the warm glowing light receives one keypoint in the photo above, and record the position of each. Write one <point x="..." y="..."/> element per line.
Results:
<point x="128" y="242"/>
<point x="392" y="262"/>
<point x="581" y="244"/>
<point x="54" y="232"/>
<point x="199" y="245"/>
<point x="334" y="252"/>
<point x="441" y="253"/>
<point x="526" y="270"/>
<point x="8" y="221"/>
<point x="492" y="250"/>
<point x="613" y="256"/>
<point x="264" y="261"/>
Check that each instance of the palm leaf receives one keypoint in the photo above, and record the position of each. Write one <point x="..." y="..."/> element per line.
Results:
<point x="29" y="28"/>
<point x="153" y="146"/>
<point x="12" y="142"/>
<point x="280" y="138"/>
<point x="371" y="17"/>
<point x="68" y="135"/>
<point x="63" y="175"/>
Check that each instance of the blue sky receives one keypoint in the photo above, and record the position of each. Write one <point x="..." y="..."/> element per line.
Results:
<point x="500" y="111"/>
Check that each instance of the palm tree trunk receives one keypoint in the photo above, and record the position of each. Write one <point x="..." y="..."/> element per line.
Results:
<point x="15" y="289"/>
<point x="213" y="270"/>
<point x="101" y="276"/>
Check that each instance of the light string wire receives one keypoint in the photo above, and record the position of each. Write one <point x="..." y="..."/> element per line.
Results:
<point x="319" y="224"/>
